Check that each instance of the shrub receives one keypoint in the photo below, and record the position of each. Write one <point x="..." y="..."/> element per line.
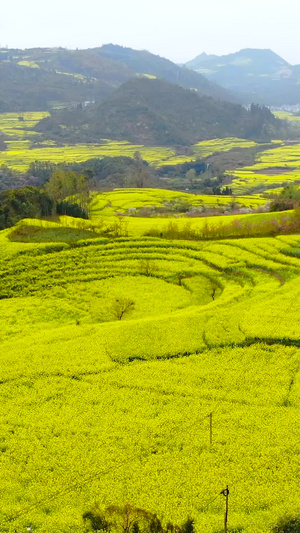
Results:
<point x="287" y="524"/>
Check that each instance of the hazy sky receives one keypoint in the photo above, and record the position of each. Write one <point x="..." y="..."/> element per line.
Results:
<point x="178" y="30"/>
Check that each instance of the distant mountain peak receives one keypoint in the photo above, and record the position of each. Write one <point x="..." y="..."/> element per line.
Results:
<point x="259" y="74"/>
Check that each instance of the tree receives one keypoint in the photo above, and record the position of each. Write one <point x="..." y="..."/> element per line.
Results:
<point x="41" y="170"/>
<point x="289" y="198"/>
<point x="130" y="519"/>
<point x="140" y="175"/>
<point x="135" y="528"/>
<point x="147" y="267"/>
<point x="191" y="176"/>
<point x="2" y="144"/>
<point x="96" y="520"/>
<point x="119" y="228"/>
<point x="122" y="306"/>
<point x="155" y="525"/>
<point x="127" y="517"/>
<point x="28" y="202"/>
<point x="287" y="524"/>
<point x="188" y="526"/>
<point x="64" y="183"/>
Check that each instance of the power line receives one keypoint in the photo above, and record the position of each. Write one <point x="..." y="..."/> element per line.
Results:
<point x="70" y="488"/>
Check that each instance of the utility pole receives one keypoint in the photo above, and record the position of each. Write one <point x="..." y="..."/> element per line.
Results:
<point x="210" y="428"/>
<point x="225" y="493"/>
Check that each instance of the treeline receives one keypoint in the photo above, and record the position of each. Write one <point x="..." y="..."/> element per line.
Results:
<point x="31" y="202"/>
<point x="66" y="191"/>
<point x="289" y="198"/>
<point x="158" y="113"/>
<point x="130" y="519"/>
<point x="122" y="171"/>
<point x="104" y="173"/>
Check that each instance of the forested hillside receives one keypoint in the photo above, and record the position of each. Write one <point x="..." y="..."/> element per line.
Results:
<point x="33" y="89"/>
<point x="38" y="78"/>
<point x="155" y="112"/>
<point x="143" y="62"/>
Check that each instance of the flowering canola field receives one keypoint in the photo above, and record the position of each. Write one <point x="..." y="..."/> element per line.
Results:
<point x="99" y="409"/>
<point x="19" y="131"/>
<point x="273" y="168"/>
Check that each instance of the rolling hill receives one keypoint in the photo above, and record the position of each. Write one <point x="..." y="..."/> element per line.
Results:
<point x="33" y="79"/>
<point x="143" y="62"/>
<point x="33" y="89"/>
<point x="155" y="112"/>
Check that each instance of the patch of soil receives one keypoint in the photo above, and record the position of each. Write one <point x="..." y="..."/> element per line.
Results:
<point x="275" y="171"/>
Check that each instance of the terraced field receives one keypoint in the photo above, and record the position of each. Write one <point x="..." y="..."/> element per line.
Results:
<point x="17" y="125"/>
<point x="21" y="152"/>
<point x="273" y="168"/>
<point x="98" y="408"/>
<point x="286" y="115"/>
<point x="108" y="209"/>
<point x="20" y="156"/>
<point x="131" y="201"/>
<point x="116" y="348"/>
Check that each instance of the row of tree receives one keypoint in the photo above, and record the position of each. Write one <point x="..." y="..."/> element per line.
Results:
<point x="130" y="519"/>
<point x="31" y="202"/>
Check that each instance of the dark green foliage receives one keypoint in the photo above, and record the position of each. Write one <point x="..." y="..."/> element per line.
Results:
<point x="135" y="528"/>
<point x="107" y="172"/>
<point x="287" y="524"/>
<point x="96" y="521"/>
<point x="72" y="210"/>
<point x="28" y="202"/>
<point x="198" y="166"/>
<point x="31" y="202"/>
<point x="155" y="525"/>
<point x="94" y="169"/>
<point x="110" y="170"/>
<point x="130" y="519"/>
<point x="142" y="61"/>
<point x="77" y="76"/>
<point x="35" y="89"/>
<point x="188" y="526"/>
<point x="9" y="179"/>
<point x="42" y="170"/>
<point x="155" y="112"/>
<point x="260" y="123"/>
<point x="289" y="198"/>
